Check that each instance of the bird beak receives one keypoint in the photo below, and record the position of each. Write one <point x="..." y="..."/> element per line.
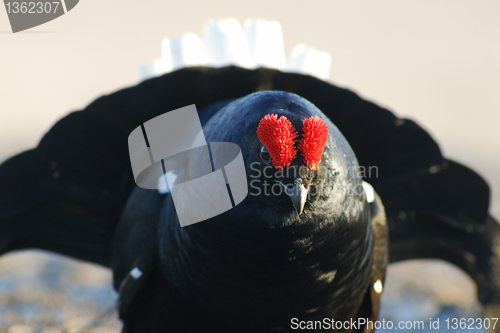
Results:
<point x="297" y="194"/>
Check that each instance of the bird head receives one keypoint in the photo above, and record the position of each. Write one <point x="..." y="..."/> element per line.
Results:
<point x="297" y="161"/>
<point x="279" y="146"/>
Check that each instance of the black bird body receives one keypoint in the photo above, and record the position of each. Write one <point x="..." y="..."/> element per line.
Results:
<point x="261" y="264"/>
<point x="257" y="266"/>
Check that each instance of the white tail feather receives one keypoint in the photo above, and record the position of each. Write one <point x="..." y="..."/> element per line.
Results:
<point x="225" y="43"/>
<point x="265" y="42"/>
<point x="187" y="50"/>
<point x="157" y="68"/>
<point x="305" y="59"/>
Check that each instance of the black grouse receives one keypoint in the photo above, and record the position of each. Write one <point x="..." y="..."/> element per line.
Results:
<point x="317" y="248"/>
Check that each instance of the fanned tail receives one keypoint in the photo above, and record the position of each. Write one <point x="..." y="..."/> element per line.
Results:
<point x="259" y="43"/>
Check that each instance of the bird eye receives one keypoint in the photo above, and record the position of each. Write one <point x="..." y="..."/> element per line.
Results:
<point x="264" y="155"/>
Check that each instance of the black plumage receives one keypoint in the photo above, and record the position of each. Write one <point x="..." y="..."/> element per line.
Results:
<point x="260" y="264"/>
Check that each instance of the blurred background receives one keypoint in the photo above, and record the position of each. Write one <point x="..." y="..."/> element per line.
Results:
<point x="437" y="62"/>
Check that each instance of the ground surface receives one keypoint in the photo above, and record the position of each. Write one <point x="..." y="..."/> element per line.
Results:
<point x="46" y="293"/>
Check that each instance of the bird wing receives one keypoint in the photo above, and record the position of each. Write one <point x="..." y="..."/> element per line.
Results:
<point x="67" y="194"/>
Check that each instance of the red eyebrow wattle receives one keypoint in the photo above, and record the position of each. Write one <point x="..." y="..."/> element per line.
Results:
<point x="313" y="141"/>
<point x="278" y="136"/>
